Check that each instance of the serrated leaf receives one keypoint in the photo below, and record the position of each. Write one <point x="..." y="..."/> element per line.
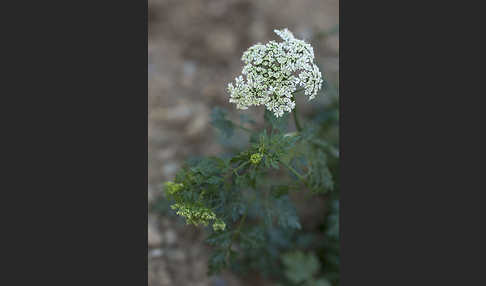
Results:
<point x="217" y="261"/>
<point x="321" y="282"/>
<point x="333" y="221"/>
<point x="284" y="211"/>
<point x="320" y="178"/>
<point x="279" y="191"/>
<point x="213" y="180"/>
<point x="274" y="164"/>
<point x="237" y="210"/>
<point x="220" y="122"/>
<point x="221" y="239"/>
<point x="252" y="239"/>
<point x="300" y="267"/>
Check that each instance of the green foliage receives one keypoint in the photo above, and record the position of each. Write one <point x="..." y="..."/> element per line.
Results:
<point x="194" y="190"/>
<point x="330" y="244"/>
<point x="219" y="121"/>
<point x="320" y="179"/>
<point x="244" y="199"/>
<point x="284" y="212"/>
<point x="300" y="267"/>
<point x="303" y="269"/>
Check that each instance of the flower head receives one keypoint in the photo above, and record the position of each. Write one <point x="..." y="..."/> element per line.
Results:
<point x="273" y="72"/>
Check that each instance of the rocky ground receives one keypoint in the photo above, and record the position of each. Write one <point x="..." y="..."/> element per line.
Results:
<point x="194" y="51"/>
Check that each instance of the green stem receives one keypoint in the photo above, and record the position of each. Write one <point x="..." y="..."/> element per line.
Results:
<point x="299" y="176"/>
<point x="235" y="234"/>
<point x="295" y="172"/>
<point x="326" y="146"/>
<point x="296" y="119"/>
<point x="235" y="170"/>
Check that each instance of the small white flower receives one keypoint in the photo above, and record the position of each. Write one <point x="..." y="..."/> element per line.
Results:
<point x="273" y="72"/>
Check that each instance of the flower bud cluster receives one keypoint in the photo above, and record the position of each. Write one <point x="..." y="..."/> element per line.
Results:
<point x="173" y="188"/>
<point x="219" y="225"/>
<point x="195" y="213"/>
<point x="256" y="158"/>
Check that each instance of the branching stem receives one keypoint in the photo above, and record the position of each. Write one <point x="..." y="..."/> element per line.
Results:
<point x="235" y="234"/>
<point x="296" y="117"/>
<point x="235" y="170"/>
<point x="302" y="178"/>
<point x="295" y="172"/>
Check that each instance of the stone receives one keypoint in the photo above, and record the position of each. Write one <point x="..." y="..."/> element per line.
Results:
<point x="169" y="169"/>
<point x="154" y="237"/>
<point x="156" y="253"/>
<point x="199" y="123"/>
<point x="150" y="195"/>
<point x="176" y="254"/>
<point x="170" y="237"/>
<point x="333" y="43"/>
<point x="222" y="42"/>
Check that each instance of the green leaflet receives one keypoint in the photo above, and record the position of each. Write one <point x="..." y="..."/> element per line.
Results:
<point x="320" y="178"/>
<point x="217" y="261"/>
<point x="221" y="239"/>
<point x="286" y="213"/>
<point x="300" y="267"/>
<point x="219" y="121"/>
<point x="278" y="191"/>
<point x="282" y="211"/>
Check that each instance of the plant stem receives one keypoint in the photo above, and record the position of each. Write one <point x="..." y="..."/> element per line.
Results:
<point x="237" y="231"/>
<point x="296" y="117"/>
<point x="235" y="170"/>
<point x="295" y="172"/>
<point x="296" y="120"/>
<point x="302" y="178"/>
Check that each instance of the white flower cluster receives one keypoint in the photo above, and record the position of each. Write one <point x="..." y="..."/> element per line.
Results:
<point x="273" y="72"/>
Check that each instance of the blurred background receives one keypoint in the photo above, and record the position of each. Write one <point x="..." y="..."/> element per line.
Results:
<point x="194" y="50"/>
